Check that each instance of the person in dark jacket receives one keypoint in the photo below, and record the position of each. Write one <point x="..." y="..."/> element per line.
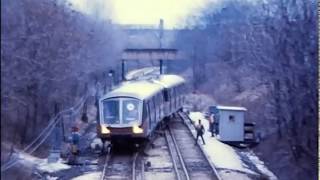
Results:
<point x="200" y="130"/>
<point x="212" y="124"/>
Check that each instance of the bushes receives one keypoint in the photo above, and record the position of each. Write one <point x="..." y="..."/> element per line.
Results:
<point x="48" y="55"/>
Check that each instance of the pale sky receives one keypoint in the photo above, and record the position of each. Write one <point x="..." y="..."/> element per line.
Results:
<point x="142" y="11"/>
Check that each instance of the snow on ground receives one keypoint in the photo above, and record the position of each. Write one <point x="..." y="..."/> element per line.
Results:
<point x="41" y="164"/>
<point x="260" y="165"/>
<point x="92" y="175"/>
<point x="224" y="157"/>
<point x="52" y="167"/>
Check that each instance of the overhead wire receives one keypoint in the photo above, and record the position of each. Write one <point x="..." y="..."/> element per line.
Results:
<point x="47" y="131"/>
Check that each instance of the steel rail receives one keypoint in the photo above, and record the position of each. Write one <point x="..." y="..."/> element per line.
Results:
<point x="179" y="154"/>
<point x="167" y="136"/>
<point x="106" y="163"/>
<point x="183" y="117"/>
<point x="135" y="157"/>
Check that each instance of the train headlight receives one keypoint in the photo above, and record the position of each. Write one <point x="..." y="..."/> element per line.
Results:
<point x="104" y="130"/>
<point x="136" y="129"/>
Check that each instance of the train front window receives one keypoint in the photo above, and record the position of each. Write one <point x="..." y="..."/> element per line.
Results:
<point x="111" y="112"/>
<point x="130" y="111"/>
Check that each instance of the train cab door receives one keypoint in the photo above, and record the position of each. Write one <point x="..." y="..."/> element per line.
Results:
<point x="166" y="102"/>
<point x="146" y="116"/>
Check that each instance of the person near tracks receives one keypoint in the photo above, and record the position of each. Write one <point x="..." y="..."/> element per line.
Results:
<point x="74" y="145"/>
<point x="200" y="130"/>
<point x="212" y="124"/>
<point x="75" y="138"/>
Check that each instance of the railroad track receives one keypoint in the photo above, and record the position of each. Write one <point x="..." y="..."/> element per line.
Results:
<point x="190" y="160"/>
<point x="121" y="166"/>
<point x="177" y="160"/>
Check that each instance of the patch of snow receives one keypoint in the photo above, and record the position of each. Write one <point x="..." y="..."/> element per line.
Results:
<point x="222" y="155"/>
<point x="52" y="167"/>
<point x="229" y="174"/>
<point x="27" y="157"/>
<point x="41" y="164"/>
<point x="195" y="116"/>
<point x="260" y="165"/>
<point x="96" y="142"/>
<point x="51" y="178"/>
<point x="93" y="175"/>
<point x="225" y="157"/>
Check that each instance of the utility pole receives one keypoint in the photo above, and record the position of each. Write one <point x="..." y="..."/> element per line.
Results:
<point x="122" y="70"/>
<point x="160" y="43"/>
<point x="160" y="32"/>
<point x="194" y="68"/>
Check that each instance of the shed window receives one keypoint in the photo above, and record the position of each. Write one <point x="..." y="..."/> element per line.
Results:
<point x="231" y="118"/>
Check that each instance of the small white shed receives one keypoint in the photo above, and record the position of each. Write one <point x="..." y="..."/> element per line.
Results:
<point x="230" y="122"/>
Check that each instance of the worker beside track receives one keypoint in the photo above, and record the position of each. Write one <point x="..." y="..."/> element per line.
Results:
<point x="200" y="131"/>
<point x="75" y="138"/>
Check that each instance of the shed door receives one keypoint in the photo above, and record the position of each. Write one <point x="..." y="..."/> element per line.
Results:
<point x="231" y="126"/>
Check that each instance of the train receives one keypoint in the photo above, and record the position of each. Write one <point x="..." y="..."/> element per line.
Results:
<point x="131" y="112"/>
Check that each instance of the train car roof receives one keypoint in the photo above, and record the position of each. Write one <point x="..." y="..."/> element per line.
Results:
<point x="136" y="89"/>
<point x="170" y="80"/>
<point x="143" y="89"/>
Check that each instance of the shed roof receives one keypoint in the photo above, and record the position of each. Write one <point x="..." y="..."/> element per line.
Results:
<point x="231" y="108"/>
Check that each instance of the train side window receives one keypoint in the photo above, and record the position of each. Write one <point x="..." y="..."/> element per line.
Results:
<point x="170" y="99"/>
<point x="166" y="95"/>
<point x="155" y="99"/>
<point x="155" y="109"/>
<point x="151" y="110"/>
<point x="175" y="97"/>
<point x="182" y="94"/>
<point x="149" y="115"/>
<point x="159" y="105"/>
<point x="179" y="95"/>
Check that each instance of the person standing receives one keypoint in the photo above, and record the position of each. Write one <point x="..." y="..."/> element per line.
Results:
<point x="212" y="124"/>
<point x="200" y="130"/>
<point x="75" y="139"/>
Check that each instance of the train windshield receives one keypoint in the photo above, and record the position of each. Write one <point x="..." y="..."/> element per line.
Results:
<point x="111" y="112"/>
<point x="121" y="111"/>
<point x="130" y="111"/>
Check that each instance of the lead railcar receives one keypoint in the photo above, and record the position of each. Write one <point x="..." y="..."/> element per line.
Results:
<point x="131" y="112"/>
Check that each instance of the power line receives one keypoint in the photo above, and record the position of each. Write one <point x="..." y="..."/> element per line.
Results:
<point x="46" y="132"/>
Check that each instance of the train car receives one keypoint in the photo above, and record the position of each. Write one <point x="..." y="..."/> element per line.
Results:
<point x="131" y="112"/>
